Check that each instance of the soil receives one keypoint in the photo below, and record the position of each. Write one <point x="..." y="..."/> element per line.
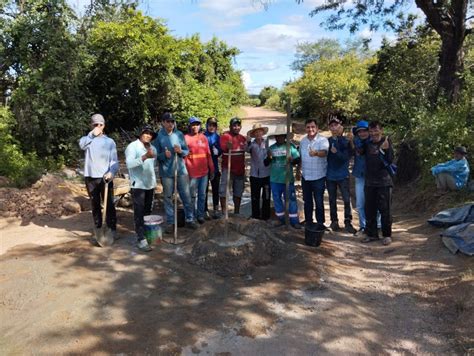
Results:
<point x="60" y="294"/>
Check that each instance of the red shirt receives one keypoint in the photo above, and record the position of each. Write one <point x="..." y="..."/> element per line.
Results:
<point x="237" y="162"/>
<point x="198" y="161"/>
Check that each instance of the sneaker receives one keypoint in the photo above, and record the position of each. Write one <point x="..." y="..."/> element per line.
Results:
<point x="191" y="225"/>
<point x="169" y="229"/>
<point x="350" y="229"/>
<point x="387" y="240"/>
<point x="334" y="226"/>
<point x="297" y="226"/>
<point x="200" y="220"/>
<point x="143" y="246"/>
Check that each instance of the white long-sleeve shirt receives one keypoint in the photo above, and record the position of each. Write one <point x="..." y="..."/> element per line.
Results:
<point x="100" y="155"/>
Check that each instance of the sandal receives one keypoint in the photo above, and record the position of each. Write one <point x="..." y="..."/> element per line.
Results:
<point x="369" y="239"/>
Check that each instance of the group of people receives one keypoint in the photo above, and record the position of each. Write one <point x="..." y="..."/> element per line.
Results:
<point x="191" y="161"/>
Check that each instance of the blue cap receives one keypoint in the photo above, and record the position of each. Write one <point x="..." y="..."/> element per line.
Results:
<point x="194" y="119"/>
<point x="361" y="125"/>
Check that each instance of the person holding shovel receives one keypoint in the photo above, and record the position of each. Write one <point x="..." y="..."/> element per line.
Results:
<point x="276" y="158"/>
<point x="171" y="147"/>
<point x="259" y="173"/>
<point x="140" y="157"/>
<point x="100" y="166"/>
<point x="234" y="143"/>
<point x="214" y="139"/>
<point x="199" y="165"/>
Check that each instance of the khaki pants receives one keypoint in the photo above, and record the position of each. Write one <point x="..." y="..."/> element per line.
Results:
<point x="445" y="181"/>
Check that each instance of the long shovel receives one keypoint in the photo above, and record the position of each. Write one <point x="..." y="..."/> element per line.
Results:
<point x="104" y="235"/>
<point x="227" y="190"/>
<point x="175" y="231"/>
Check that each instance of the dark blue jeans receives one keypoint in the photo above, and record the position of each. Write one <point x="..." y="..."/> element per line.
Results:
<point x="346" y="198"/>
<point x="314" y="189"/>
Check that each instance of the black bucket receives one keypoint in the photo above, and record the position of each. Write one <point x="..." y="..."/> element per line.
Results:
<point x="181" y="217"/>
<point x="313" y="234"/>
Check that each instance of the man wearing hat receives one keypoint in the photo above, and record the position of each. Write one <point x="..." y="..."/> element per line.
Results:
<point x="140" y="157"/>
<point x="100" y="166"/>
<point x="199" y="165"/>
<point x="259" y="173"/>
<point x="233" y="140"/>
<point x="171" y="147"/>
<point x="213" y="140"/>
<point x="454" y="174"/>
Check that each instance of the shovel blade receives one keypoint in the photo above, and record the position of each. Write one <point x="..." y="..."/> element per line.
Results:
<point x="104" y="236"/>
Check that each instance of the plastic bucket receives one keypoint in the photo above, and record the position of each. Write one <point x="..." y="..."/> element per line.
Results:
<point x="152" y="228"/>
<point x="313" y="234"/>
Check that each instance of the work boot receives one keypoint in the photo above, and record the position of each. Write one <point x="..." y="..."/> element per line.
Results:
<point x="191" y="225"/>
<point x="349" y="228"/>
<point x="297" y="226"/>
<point x="143" y="246"/>
<point x="278" y="223"/>
<point x="334" y="226"/>
<point x="200" y="220"/>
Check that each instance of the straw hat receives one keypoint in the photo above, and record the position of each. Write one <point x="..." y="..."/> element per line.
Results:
<point x="280" y="130"/>
<point x="256" y="127"/>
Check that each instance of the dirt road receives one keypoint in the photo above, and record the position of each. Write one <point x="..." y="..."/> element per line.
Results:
<point x="58" y="294"/>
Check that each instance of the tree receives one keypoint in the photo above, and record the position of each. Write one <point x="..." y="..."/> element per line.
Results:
<point x="266" y="93"/>
<point x="449" y="18"/>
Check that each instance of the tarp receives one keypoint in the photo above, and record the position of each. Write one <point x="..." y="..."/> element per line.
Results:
<point x="454" y="216"/>
<point x="460" y="238"/>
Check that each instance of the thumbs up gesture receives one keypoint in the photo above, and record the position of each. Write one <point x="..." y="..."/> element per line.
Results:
<point x="167" y="152"/>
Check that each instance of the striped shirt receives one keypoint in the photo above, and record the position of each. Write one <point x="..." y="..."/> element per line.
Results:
<point x="313" y="168"/>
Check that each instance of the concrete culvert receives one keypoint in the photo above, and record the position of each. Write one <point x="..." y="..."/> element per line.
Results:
<point x="250" y="243"/>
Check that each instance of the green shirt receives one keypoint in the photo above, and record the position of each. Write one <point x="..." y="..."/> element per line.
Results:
<point x="278" y="163"/>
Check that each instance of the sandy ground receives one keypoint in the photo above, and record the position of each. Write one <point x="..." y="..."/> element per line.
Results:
<point x="58" y="294"/>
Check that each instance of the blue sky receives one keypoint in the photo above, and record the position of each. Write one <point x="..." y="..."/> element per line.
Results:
<point x="266" y="37"/>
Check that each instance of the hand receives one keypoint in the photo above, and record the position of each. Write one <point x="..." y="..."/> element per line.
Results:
<point x="385" y="144"/>
<point x="108" y="177"/>
<point x="333" y="148"/>
<point x="97" y="131"/>
<point x="177" y="149"/>
<point x="211" y="176"/>
<point x="290" y="159"/>
<point x="312" y="153"/>
<point x="215" y="151"/>
<point x="167" y="152"/>
<point x="269" y="154"/>
<point x="149" y="153"/>
<point x="229" y="145"/>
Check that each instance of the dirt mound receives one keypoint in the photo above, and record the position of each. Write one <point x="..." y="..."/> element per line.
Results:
<point x="250" y="243"/>
<point x="51" y="195"/>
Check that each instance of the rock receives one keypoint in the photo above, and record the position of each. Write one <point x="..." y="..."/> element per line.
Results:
<point x="4" y="181"/>
<point x="72" y="207"/>
<point x="69" y="173"/>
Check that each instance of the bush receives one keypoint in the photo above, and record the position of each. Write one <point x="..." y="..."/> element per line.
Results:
<point x="274" y="102"/>
<point x="21" y="169"/>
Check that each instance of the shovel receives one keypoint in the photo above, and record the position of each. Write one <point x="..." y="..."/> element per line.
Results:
<point x="227" y="190"/>
<point x="175" y="198"/>
<point x="103" y="235"/>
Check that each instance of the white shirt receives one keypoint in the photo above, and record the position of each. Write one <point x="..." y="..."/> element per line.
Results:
<point x="313" y="168"/>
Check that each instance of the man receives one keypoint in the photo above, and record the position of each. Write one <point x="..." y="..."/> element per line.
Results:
<point x="171" y="147"/>
<point x="276" y="158"/>
<point x="140" y="157"/>
<point x="378" y="184"/>
<point x="100" y="166"/>
<point x="340" y="152"/>
<point x="452" y="175"/>
<point x="259" y="173"/>
<point x="313" y="150"/>
<point x="233" y="140"/>
<point x="199" y="165"/>
<point x="213" y="139"/>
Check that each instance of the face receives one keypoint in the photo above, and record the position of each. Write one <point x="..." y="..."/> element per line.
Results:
<point x="457" y="156"/>
<point x="258" y="134"/>
<point x="212" y="128"/>
<point x="195" y="128"/>
<point x="280" y="139"/>
<point x="146" y="137"/>
<point x="98" y="125"/>
<point x="235" y="128"/>
<point x="168" y="125"/>
<point x="335" y="128"/>
<point x="311" y="129"/>
<point x="363" y="134"/>
<point x="375" y="133"/>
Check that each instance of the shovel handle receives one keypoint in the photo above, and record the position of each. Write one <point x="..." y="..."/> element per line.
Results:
<point x="175" y="198"/>
<point x="106" y="196"/>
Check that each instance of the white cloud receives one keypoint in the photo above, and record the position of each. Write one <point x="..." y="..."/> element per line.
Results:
<point x="228" y="13"/>
<point x="272" y="38"/>
<point x="247" y="79"/>
<point x="261" y="67"/>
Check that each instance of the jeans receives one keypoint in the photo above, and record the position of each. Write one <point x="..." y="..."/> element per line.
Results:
<point x="142" y="205"/>
<point x="197" y="189"/>
<point x="215" y="191"/>
<point x="183" y="191"/>
<point x="346" y="198"/>
<point x="360" y="203"/>
<point x="260" y="192"/>
<point x="95" y="188"/>
<point x="378" y="198"/>
<point x="279" y="190"/>
<point x="314" y="189"/>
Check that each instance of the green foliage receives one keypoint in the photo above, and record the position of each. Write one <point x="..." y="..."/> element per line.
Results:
<point x="266" y="93"/>
<point x="275" y="102"/>
<point x="22" y="169"/>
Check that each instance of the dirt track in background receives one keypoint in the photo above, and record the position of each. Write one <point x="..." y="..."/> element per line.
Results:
<point x="58" y="294"/>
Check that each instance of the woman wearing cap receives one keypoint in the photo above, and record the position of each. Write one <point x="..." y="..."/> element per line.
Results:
<point x="199" y="165"/>
<point x="259" y="173"/>
<point x="140" y="157"/>
<point x="452" y="175"/>
<point x="213" y="140"/>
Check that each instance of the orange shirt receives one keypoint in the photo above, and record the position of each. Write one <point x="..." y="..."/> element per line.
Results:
<point x="198" y="161"/>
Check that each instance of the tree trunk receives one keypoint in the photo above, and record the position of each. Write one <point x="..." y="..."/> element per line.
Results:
<point x="451" y="60"/>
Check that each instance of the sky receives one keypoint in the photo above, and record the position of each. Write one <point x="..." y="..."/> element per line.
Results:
<point x="267" y="37"/>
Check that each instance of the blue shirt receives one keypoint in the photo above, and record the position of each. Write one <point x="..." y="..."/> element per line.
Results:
<point x="165" y="141"/>
<point x="100" y="155"/>
<point x="459" y="169"/>
<point x="358" y="170"/>
<point x="142" y="172"/>
<point x="338" y="163"/>
<point x="214" y="141"/>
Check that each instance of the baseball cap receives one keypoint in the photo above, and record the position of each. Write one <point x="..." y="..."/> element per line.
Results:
<point x="148" y="128"/>
<point x="461" y="149"/>
<point x="194" y="119"/>
<point x="167" y="116"/>
<point x="211" y="120"/>
<point x="97" y="119"/>
<point x="235" y="120"/>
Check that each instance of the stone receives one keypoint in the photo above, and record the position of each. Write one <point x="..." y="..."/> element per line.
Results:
<point x="69" y="173"/>
<point x="72" y="207"/>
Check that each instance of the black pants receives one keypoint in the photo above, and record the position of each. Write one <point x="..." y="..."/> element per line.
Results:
<point x="142" y="205"/>
<point x="378" y="198"/>
<point x="215" y="191"/>
<point x="343" y="185"/>
<point x="95" y="188"/>
<point x="260" y="191"/>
